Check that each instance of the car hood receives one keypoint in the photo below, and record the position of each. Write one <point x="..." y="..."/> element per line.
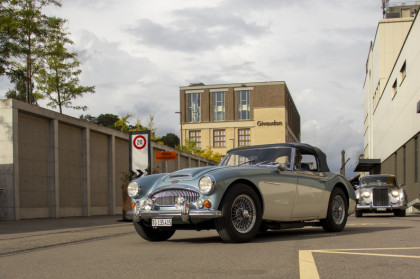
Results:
<point x="191" y="173"/>
<point x="377" y="185"/>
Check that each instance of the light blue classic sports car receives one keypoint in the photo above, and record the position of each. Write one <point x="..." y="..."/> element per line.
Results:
<point x="255" y="188"/>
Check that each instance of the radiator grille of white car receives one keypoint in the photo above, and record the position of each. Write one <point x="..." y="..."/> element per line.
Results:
<point x="168" y="197"/>
<point x="380" y="197"/>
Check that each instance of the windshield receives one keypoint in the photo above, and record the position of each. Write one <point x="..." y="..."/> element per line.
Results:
<point x="269" y="155"/>
<point x="377" y="181"/>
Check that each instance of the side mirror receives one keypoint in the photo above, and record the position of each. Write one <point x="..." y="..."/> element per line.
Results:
<point x="281" y="167"/>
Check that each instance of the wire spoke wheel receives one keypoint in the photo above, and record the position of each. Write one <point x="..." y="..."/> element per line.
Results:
<point x="338" y="210"/>
<point x="243" y="213"/>
<point x="336" y="218"/>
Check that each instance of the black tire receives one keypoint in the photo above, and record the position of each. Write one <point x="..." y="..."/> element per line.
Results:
<point x="241" y="214"/>
<point x="153" y="234"/>
<point x="337" y="212"/>
<point x="399" y="213"/>
<point x="358" y="213"/>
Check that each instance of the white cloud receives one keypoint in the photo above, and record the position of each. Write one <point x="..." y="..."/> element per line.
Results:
<point x="138" y="54"/>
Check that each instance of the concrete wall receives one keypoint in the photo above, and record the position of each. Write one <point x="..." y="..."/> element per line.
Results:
<point x="53" y="165"/>
<point x="402" y="163"/>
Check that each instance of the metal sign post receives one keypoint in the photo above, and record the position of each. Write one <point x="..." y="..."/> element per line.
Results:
<point x="140" y="152"/>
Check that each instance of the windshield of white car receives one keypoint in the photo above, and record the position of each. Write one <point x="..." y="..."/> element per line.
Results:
<point x="258" y="156"/>
<point x="368" y="181"/>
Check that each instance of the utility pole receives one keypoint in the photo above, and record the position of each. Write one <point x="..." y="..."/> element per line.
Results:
<point x="180" y="121"/>
<point x="343" y="163"/>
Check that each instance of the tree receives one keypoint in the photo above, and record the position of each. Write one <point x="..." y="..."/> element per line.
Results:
<point x="23" y="33"/>
<point x="211" y="155"/>
<point x="122" y="124"/>
<point x="19" y="90"/>
<point x="208" y="153"/>
<point x="107" y="120"/>
<point x="170" y="140"/>
<point x="58" y="80"/>
<point x="191" y="147"/>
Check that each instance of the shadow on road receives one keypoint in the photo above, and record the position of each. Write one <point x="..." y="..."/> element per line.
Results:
<point x="294" y="234"/>
<point x="47" y="224"/>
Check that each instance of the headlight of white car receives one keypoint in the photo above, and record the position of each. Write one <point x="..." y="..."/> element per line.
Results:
<point x="133" y="190"/>
<point x="395" y="193"/>
<point x="366" y="194"/>
<point x="207" y="184"/>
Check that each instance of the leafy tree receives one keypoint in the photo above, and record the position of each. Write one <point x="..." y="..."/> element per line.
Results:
<point x="208" y="153"/>
<point x="19" y="90"/>
<point x="170" y="140"/>
<point x="191" y="147"/>
<point x="123" y="126"/>
<point x="88" y="117"/>
<point x="107" y="120"/>
<point x="211" y="155"/>
<point x="58" y="80"/>
<point x="23" y="33"/>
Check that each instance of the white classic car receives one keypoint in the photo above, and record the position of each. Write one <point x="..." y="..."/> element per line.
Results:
<point x="379" y="194"/>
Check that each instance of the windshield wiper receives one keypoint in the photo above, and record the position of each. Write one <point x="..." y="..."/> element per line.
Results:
<point x="266" y="163"/>
<point x="246" y="162"/>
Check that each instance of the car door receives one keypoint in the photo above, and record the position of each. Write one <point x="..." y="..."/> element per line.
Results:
<point x="310" y="190"/>
<point x="279" y="193"/>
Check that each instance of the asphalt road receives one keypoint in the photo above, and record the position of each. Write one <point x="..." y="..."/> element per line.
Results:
<point x="101" y="247"/>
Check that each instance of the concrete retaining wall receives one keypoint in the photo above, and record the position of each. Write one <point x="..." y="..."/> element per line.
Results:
<point x="53" y="165"/>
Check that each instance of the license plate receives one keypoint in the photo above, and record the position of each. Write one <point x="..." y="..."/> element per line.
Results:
<point x="161" y="222"/>
<point x="381" y="209"/>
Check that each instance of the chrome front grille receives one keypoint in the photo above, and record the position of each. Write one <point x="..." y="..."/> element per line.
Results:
<point x="167" y="197"/>
<point x="380" y="197"/>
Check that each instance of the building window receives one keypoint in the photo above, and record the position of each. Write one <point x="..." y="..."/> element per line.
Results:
<point x="244" y="137"/>
<point x="403" y="72"/>
<point x="219" y="138"/>
<point x="194" y="107"/>
<point x="243" y="105"/>
<point x="219" y="106"/>
<point x="195" y="136"/>
<point x="394" y="89"/>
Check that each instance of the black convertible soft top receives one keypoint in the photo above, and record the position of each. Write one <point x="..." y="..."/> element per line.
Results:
<point x="304" y="148"/>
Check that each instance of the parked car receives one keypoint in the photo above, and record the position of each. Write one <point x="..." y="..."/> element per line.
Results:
<point x="255" y="188"/>
<point x="380" y="194"/>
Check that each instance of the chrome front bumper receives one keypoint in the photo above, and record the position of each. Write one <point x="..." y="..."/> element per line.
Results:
<point x="380" y="208"/>
<point x="184" y="215"/>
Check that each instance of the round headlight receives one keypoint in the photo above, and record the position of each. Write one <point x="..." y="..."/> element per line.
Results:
<point x="395" y="193"/>
<point x="366" y="194"/>
<point x="133" y="190"/>
<point x="206" y="184"/>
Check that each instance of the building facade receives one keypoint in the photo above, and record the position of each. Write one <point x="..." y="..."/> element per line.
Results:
<point x="225" y="116"/>
<point x="392" y="102"/>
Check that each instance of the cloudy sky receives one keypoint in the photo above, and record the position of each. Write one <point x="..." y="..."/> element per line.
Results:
<point x="138" y="53"/>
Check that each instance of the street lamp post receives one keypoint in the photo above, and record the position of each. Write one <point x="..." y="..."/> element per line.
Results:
<point x="180" y="121"/>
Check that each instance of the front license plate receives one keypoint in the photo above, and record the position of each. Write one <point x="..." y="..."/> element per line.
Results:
<point x="381" y="209"/>
<point x="161" y="222"/>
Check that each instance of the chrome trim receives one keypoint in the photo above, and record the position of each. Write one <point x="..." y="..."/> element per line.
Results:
<point x="166" y="196"/>
<point x="180" y="175"/>
<point x="184" y="214"/>
<point x="370" y="207"/>
<point x="213" y="184"/>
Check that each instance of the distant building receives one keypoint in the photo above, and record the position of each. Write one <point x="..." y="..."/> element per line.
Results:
<point x="224" y="116"/>
<point x="392" y="100"/>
